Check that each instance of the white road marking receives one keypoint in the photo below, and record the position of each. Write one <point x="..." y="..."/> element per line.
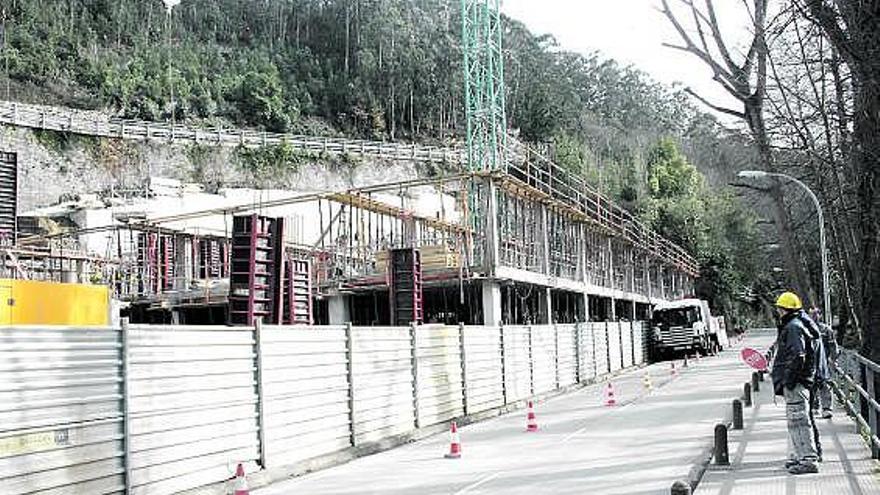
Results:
<point x="573" y="434"/>
<point x="479" y="482"/>
<point x="609" y="410"/>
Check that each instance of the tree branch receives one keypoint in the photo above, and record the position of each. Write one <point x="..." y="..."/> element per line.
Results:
<point x="719" y="40"/>
<point x="691" y="47"/>
<point x="730" y="89"/>
<point x="761" y="52"/>
<point x="717" y="108"/>
<point x="699" y="24"/>
<point x="826" y="18"/>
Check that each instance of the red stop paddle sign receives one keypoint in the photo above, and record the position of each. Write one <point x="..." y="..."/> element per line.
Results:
<point x="754" y="358"/>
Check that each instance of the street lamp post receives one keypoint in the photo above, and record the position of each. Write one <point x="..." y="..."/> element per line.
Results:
<point x="759" y="174"/>
<point x="169" y="8"/>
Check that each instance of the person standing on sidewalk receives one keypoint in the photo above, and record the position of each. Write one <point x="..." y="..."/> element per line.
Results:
<point x="829" y="342"/>
<point x="793" y="374"/>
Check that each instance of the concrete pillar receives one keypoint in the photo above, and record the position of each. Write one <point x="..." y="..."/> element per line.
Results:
<point x="183" y="263"/>
<point x="648" y="290"/>
<point x="612" y="312"/>
<point x="633" y="313"/>
<point x="409" y="232"/>
<point x="70" y="273"/>
<point x="583" y="309"/>
<point x="661" y="273"/>
<point x="490" y="257"/>
<point x="491" y="304"/>
<point x="547" y="308"/>
<point x="113" y="313"/>
<point x="339" y="312"/>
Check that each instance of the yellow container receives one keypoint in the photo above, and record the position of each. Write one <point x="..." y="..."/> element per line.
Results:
<point x="33" y="302"/>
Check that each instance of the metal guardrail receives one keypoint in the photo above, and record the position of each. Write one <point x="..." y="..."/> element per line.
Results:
<point x="97" y="124"/>
<point x="857" y="385"/>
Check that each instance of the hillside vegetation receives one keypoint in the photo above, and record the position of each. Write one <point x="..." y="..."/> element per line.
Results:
<point x="391" y="70"/>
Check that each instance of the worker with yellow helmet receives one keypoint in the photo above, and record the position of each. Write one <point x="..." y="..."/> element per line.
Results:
<point x="793" y="375"/>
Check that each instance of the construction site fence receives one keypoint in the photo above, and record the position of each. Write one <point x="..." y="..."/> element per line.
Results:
<point x="164" y="409"/>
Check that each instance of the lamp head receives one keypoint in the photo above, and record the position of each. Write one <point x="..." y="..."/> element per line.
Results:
<point x="752" y="174"/>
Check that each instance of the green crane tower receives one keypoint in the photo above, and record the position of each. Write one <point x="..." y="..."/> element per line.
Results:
<point x="486" y="124"/>
<point x="484" y="84"/>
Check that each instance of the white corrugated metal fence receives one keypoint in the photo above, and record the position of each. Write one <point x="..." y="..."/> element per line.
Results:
<point x="162" y="409"/>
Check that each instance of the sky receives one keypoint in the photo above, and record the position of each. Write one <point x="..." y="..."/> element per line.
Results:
<point x="632" y="32"/>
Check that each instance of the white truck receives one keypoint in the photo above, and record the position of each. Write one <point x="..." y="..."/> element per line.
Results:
<point x="687" y="326"/>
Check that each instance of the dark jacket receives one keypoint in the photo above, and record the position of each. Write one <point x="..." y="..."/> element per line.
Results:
<point x="790" y="366"/>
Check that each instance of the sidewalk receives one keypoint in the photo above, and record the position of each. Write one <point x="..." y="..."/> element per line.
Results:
<point x="758" y="451"/>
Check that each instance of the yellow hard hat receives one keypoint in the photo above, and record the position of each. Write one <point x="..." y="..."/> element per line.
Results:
<point x="789" y="300"/>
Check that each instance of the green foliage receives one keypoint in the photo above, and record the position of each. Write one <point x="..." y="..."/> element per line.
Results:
<point x="258" y="97"/>
<point x="375" y="69"/>
<point x="54" y="140"/>
<point x="569" y="153"/>
<point x="669" y="173"/>
<point x="710" y="223"/>
<point x="270" y="161"/>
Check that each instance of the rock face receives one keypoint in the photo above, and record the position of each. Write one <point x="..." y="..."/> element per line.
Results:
<point x="53" y="166"/>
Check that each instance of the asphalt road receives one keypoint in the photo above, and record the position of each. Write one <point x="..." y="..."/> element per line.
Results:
<point x="639" y="447"/>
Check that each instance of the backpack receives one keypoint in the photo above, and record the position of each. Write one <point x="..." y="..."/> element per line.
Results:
<point x="814" y="359"/>
<point x="829" y="342"/>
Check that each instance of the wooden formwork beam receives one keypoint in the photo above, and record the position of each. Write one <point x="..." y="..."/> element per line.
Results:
<point x="354" y="200"/>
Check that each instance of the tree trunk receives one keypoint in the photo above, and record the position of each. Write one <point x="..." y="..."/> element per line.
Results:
<point x="854" y="30"/>
<point x="794" y="260"/>
<point x="347" y="35"/>
<point x="866" y="137"/>
<point x="393" y="96"/>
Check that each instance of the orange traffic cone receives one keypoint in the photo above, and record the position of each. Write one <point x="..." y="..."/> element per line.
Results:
<point x="454" y="443"/>
<point x="531" y="421"/>
<point x="609" y="395"/>
<point x="241" y="487"/>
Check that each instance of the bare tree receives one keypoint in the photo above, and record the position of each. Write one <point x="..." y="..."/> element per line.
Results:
<point x="853" y="28"/>
<point x="746" y="81"/>
<point x="807" y="121"/>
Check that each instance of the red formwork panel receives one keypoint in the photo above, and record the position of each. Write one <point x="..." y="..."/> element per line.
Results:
<point x="298" y="292"/>
<point x="253" y="277"/>
<point x="407" y="302"/>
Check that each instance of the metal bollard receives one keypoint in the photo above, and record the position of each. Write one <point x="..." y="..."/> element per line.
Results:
<point x="737" y="414"/>
<point x="761" y="376"/>
<point x="722" y="454"/>
<point x="680" y="488"/>
<point x="755" y="386"/>
<point x="747" y="395"/>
